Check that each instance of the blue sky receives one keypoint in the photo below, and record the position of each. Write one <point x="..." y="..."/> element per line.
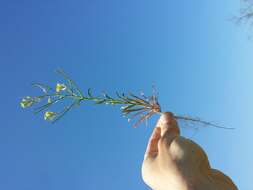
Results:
<point x="200" y="61"/>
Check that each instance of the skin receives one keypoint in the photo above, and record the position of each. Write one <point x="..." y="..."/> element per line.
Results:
<point x="172" y="162"/>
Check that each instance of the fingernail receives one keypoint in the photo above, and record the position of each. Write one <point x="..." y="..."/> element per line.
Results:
<point x="166" y="119"/>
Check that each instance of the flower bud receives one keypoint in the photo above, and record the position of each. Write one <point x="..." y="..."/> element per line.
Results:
<point x="49" y="115"/>
<point x="60" y="87"/>
<point x="27" y="102"/>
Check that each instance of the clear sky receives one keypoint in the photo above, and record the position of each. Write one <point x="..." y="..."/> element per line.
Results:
<point x="200" y="61"/>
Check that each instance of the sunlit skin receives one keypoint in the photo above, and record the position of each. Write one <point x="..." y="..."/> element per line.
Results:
<point x="172" y="162"/>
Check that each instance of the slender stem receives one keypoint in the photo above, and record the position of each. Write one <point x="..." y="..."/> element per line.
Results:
<point x="64" y="112"/>
<point x="200" y="121"/>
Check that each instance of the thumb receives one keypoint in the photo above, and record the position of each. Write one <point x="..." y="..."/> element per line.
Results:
<point x="169" y="131"/>
<point x="168" y="124"/>
<point x="165" y="125"/>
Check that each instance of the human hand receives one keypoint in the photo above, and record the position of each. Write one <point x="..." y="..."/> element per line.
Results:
<point x="172" y="162"/>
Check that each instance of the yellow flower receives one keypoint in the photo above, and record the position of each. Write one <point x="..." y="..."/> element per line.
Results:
<point x="60" y="87"/>
<point x="26" y="102"/>
<point x="49" y="100"/>
<point x="49" y="115"/>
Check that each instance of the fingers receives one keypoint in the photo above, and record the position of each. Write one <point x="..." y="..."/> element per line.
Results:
<point x="169" y="132"/>
<point x="152" y="148"/>
<point x="168" y="124"/>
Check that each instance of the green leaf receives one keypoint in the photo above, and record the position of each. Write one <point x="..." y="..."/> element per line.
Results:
<point x="70" y="81"/>
<point x="67" y="109"/>
<point x="130" y="106"/>
<point x="89" y="93"/>
<point x="43" y="87"/>
<point x="100" y="101"/>
<point x="107" y="96"/>
<point x="44" y="107"/>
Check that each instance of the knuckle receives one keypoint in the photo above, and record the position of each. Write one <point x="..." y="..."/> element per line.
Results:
<point x="163" y="142"/>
